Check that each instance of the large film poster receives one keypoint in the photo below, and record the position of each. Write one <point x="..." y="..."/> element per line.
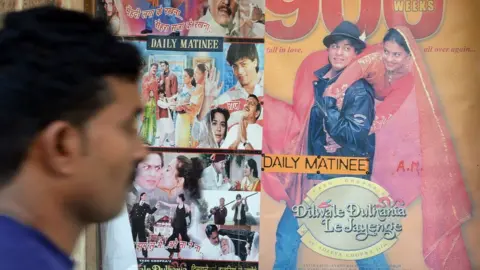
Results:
<point x="355" y="141"/>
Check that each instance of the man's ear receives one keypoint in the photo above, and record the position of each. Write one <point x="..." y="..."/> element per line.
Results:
<point x="60" y="147"/>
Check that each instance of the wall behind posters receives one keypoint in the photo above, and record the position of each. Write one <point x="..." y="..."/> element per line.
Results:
<point x="448" y="57"/>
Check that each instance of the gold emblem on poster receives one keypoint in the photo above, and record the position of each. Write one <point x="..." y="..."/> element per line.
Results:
<point x="349" y="218"/>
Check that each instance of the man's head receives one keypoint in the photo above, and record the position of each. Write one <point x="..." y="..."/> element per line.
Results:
<point x="223" y="11"/>
<point x="154" y="68"/>
<point x="238" y="197"/>
<point x="150" y="171"/>
<point x="69" y="102"/>
<point x="343" y="45"/>
<point x="222" y="202"/>
<point x="243" y="58"/>
<point x="143" y="197"/>
<point x="164" y="66"/>
<point x="252" y="109"/>
<point x="212" y="233"/>
<point x="218" y="162"/>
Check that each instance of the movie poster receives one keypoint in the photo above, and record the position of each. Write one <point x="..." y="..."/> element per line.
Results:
<point x="360" y="170"/>
<point x="174" y="227"/>
<point x="199" y="93"/>
<point x="241" y="19"/>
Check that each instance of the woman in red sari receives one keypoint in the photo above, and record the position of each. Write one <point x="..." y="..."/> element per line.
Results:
<point x="408" y="127"/>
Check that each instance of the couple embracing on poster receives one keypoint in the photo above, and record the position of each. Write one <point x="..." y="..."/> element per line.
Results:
<point x="377" y="102"/>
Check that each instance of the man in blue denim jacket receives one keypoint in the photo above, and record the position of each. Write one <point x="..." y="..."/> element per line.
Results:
<point x="334" y="132"/>
<point x="344" y="132"/>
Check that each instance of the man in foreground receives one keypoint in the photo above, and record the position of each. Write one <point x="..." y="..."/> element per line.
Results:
<point x="68" y="143"/>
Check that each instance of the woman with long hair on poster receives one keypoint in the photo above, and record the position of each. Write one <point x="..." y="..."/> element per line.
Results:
<point x="211" y="132"/>
<point x="250" y="181"/>
<point x="183" y="175"/>
<point x="149" y="121"/>
<point x="408" y="126"/>
<point x="179" y="225"/>
<point x="183" y="124"/>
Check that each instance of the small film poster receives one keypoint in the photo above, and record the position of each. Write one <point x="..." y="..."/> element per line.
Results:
<point x="176" y="224"/>
<point x="219" y="18"/>
<point x="201" y="93"/>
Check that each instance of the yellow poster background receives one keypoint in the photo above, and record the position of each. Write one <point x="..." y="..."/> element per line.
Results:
<point x="457" y="80"/>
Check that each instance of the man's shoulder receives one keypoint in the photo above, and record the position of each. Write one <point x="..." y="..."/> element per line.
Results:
<point x="361" y="87"/>
<point x="18" y="240"/>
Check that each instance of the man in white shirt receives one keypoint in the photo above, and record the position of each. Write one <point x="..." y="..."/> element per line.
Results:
<point x="213" y="177"/>
<point x="210" y="247"/>
<point x="247" y="134"/>
<point x="233" y="18"/>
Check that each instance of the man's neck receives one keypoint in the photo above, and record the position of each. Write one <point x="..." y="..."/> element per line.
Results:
<point x="250" y="121"/>
<point x="332" y="73"/>
<point x="47" y="217"/>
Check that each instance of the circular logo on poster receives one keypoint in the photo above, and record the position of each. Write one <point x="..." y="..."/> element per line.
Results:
<point x="349" y="218"/>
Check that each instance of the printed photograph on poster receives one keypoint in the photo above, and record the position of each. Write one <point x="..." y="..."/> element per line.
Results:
<point x="167" y="208"/>
<point x="230" y="243"/>
<point x="222" y="247"/>
<point x="233" y="207"/>
<point x="173" y="90"/>
<point x="236" y="18"/>
<point x="231" y="172"/>
<point x="201" y="99"/>
<point x="165" y="204"/>
<point x="238" y="105"/>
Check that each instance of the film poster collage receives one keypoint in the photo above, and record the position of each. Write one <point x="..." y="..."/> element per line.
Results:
<point x="195" y="203"/>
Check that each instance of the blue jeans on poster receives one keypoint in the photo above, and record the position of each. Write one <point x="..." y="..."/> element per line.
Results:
<point x="288" y="243"/>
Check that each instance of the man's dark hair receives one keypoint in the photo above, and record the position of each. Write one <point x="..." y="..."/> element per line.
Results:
<point x="359" y="47"/>
<point x="238" y="51"/>
<point x="164" y="62"/>
<point x="154" y="64"/>
<point x="53" y="64"/>
<point x="239" y="196"/>
<point x="182" y="197"/>
<point x="210" y="229"/>
<point x="259" y="106"/>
